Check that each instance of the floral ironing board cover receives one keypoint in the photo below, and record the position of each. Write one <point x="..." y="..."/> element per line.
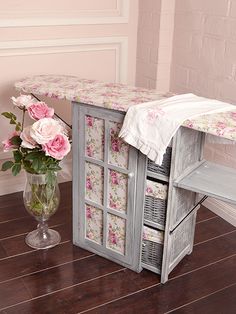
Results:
<point x="119" y="97"/>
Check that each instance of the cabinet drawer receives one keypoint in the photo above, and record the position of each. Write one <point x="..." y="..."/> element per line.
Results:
<point x="155" y="203"/>
<point x="164" y="168"/>
<point x="152" y="249"/>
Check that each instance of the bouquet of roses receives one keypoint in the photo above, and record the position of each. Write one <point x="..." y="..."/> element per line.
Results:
<point x="37" y="148"/>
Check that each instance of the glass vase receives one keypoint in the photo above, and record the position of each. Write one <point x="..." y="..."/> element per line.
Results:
<point x="41" y="199"/>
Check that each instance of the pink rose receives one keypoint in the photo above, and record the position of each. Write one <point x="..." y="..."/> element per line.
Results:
<point x="149" y="189"/>
<point x="88" y="213"/>
<point x="221" y="125"/>
<point x="114" y="178"/>
<point x="27" y="140"/>
<point x="7" y="144"/>
<point x="23" y="101"/>
<point x="58" y="147"/>
<point x="45" y="130"/>
<point x="88" y="184"/>
<point x="115" y="144"/>
<point x="89" y="121"/>
<point x="112" y="204"/>
<point x="40" y="110"/>
<point x="112" y="237"/>
<point x="89" y="151"/>
<point x="189" y="123"/>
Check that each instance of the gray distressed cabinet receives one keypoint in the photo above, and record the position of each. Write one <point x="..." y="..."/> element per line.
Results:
<point x="111" y="204"/>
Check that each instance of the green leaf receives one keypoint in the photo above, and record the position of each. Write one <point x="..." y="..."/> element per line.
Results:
<point x="16" y="169"/>
<point x="54" y="167"/>
<point x="36" y="164"/>
<point x="17" y="156"/>
<point x="7" y="115"/>
<point x="33" y="155"/>
<point x="16" y="140"/>
<point x="51" y="177"/>
<point x="27" y="166"/>
<point x="7" y="165"/>
<point x="12" y="121"/>
<point x="18" y="126"/>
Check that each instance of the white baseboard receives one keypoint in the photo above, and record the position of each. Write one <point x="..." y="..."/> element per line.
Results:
<point x="10" y="184"/>
<point x="224" y="210"/>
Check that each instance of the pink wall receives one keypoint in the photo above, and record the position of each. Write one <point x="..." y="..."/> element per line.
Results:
<point x="88" y="38"/>
<point x="204" y="57"/>
<point x="154" y="46"/>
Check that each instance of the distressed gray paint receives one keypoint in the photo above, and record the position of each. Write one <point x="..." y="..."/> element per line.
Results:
<point x="189" y="175"/>
<point x="131" y="256"/>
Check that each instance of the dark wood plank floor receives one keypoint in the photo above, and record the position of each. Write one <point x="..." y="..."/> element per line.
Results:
<point x="67" y="279"/>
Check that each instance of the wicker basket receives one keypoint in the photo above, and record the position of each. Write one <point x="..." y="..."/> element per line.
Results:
<point x="155" y="203"/>
<point x="152" y="249"/>
<point x="164" y="169"/>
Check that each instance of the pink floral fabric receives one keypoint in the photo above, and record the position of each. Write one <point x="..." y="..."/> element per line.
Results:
<point x="118" y="183"/>
<point x="94" y="137"/>
<point x="153" y="235"/>
<point x="116" y="227"/>
<point x="220" y="124"/>
<point x="156" y="189"/>
<point x="108" y="95"/>
<point x="94" y="183"/>
<point x="119" y="97"/>
<point x="119" y="150"/>
<point x="94" y="224"/>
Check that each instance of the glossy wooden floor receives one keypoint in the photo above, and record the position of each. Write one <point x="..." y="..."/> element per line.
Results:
<point x="67" y="279"/>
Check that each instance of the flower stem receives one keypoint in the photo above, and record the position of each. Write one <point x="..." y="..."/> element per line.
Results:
<point x="23" y="119"/>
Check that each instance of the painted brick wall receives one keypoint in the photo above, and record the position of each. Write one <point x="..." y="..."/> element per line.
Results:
<point x="147" y="43"/>
<point x="204" y="57"/>
<point x="154" y="43"/>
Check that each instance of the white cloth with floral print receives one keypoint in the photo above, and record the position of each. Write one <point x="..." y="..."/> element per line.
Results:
<point x="150" y="126"/>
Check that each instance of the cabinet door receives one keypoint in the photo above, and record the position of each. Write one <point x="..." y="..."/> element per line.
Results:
<point x="104" y="180"/>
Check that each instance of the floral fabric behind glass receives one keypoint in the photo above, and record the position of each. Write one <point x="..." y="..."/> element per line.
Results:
<point x="116" y="229"/>
<point x="119" y="150"/>
<point x="156" y="189"/>
<point x="94" y="224"/>
<point x="94" y="182"/>
<point x="117" y="190"/>
<point x="153" y="235"/>
<point x="94" y="137"/>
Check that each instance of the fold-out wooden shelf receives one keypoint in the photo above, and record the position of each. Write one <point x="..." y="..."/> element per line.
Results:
<point x="212" y="180"/>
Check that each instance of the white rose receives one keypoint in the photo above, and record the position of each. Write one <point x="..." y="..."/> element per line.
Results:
<point x="22" y="101"/>
<point x="45" y="130"/>
<point x="27" y="140"/>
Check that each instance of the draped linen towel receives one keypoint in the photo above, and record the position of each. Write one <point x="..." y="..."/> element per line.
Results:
<point x="150" y="126"/>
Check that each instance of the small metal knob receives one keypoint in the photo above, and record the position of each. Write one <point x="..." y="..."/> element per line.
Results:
<point x="130" y="175"/>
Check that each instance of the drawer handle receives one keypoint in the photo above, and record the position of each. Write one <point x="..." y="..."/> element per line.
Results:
<point x="130" y="175"/>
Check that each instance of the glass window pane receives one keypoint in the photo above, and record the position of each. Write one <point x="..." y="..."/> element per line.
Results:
<point x="118" y="149"/>
<point x="117" y="191"/>
<point x="116" y="232"/>
<point x="94" y="224"/>
<point x="94" y="175"/>
<point x="94" y="137"/>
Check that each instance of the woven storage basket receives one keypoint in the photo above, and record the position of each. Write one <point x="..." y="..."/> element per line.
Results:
<point x="152" y="248"/>
<point x="165" y="166"/>
<point x="155" y="203"/>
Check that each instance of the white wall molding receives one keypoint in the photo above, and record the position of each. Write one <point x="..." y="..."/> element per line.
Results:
<point x="54" y="46"/>
<point x="224" y="210"/>
<point x="119" y="14"/>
